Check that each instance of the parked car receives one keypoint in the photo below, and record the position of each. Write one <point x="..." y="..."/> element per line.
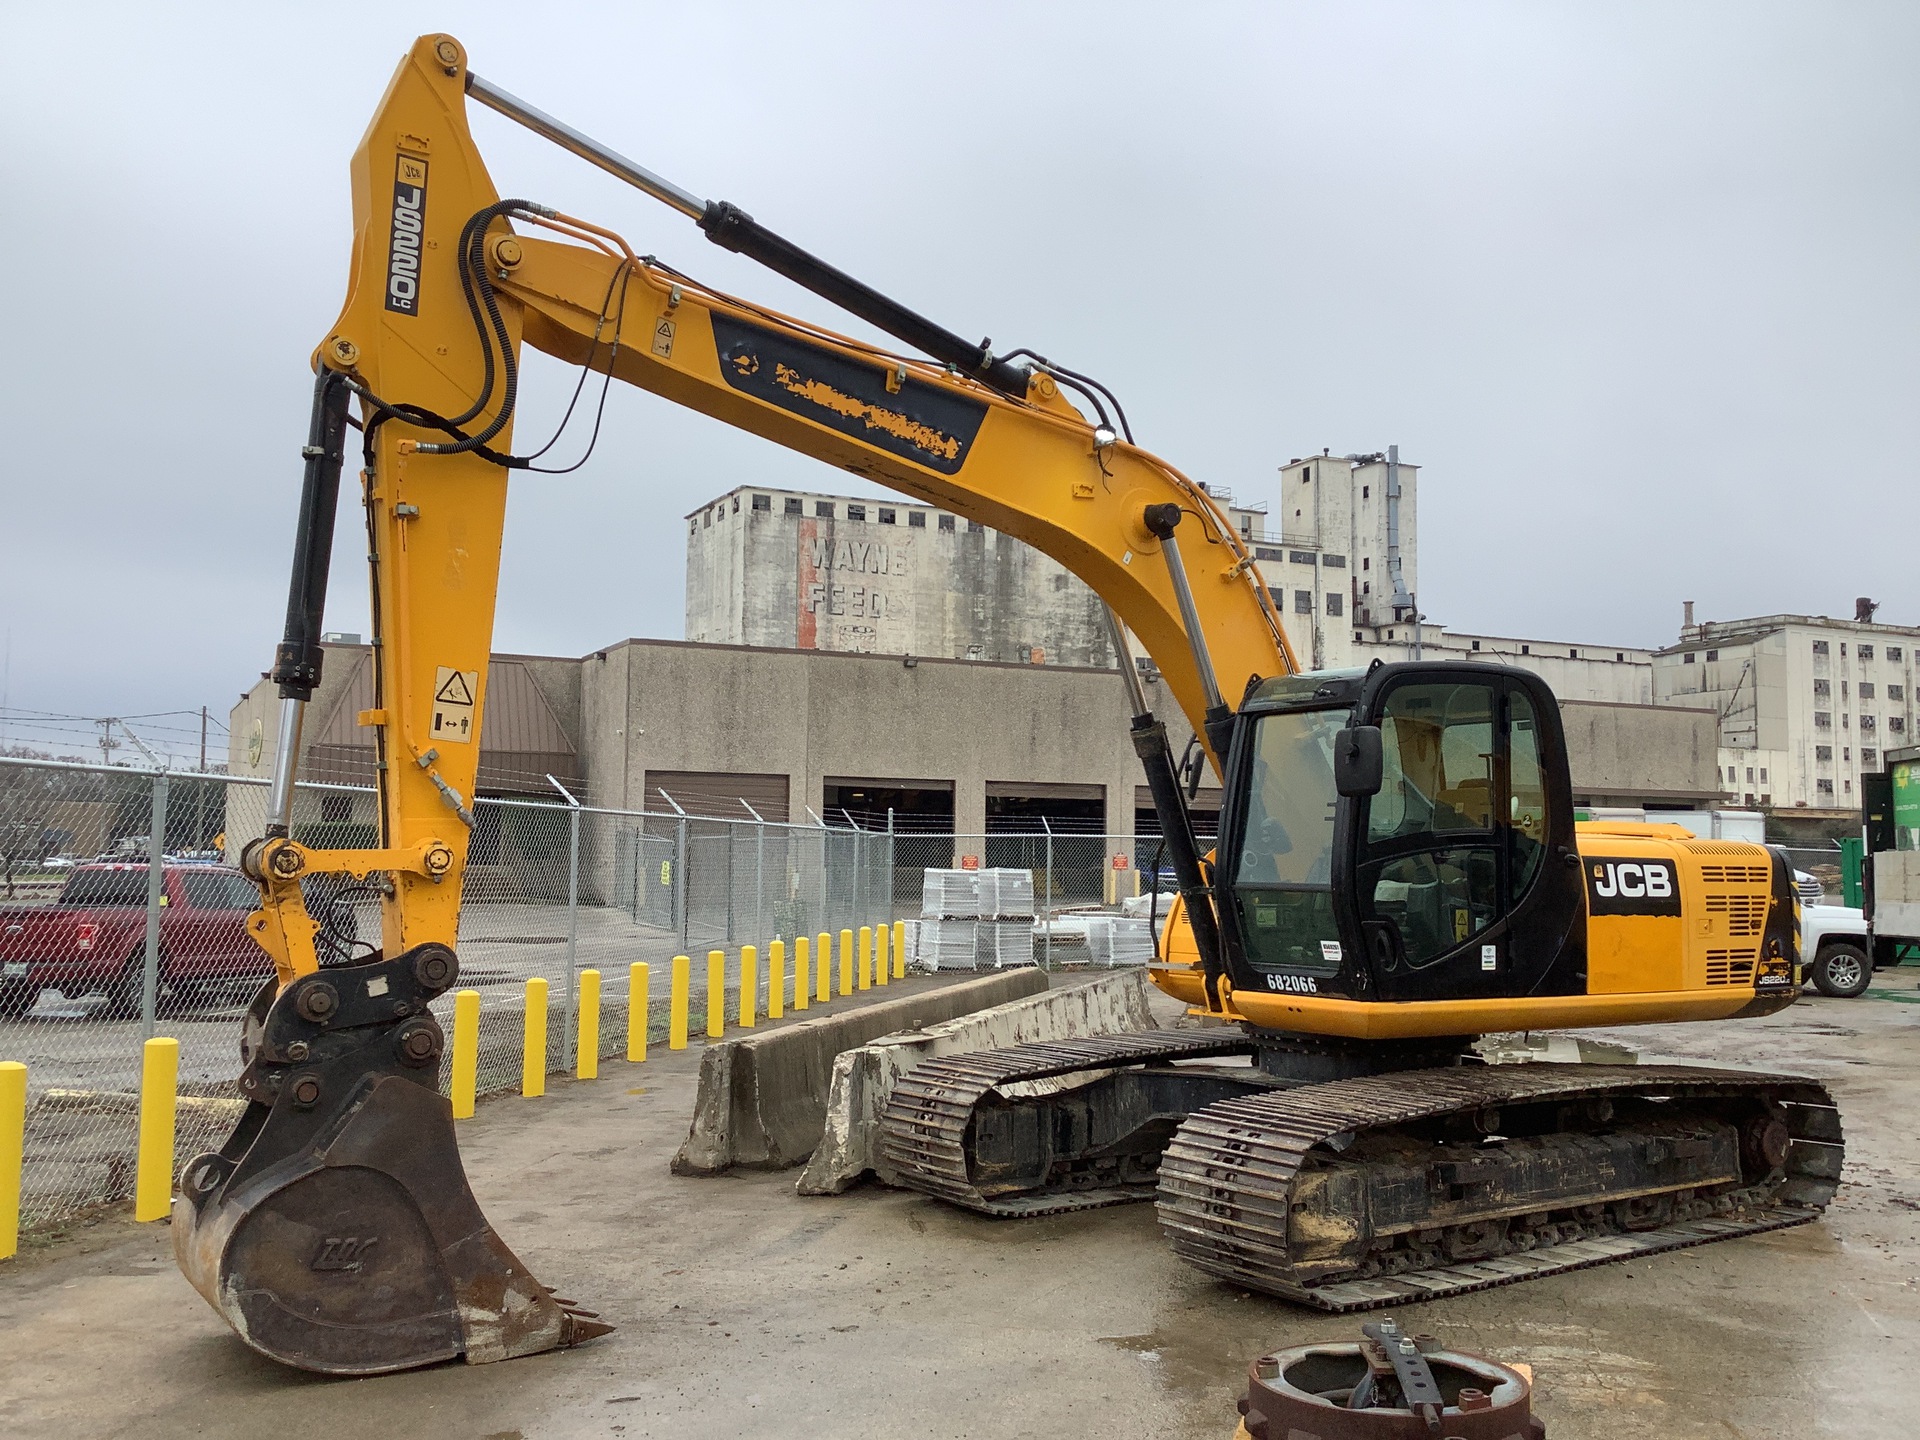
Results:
<point x="93" y="938"/>
<point x="1833" y="948"/>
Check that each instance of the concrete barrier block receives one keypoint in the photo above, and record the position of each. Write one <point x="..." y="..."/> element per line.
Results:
<point x="762" y="1098"/>
<point x="863" y="1078"/>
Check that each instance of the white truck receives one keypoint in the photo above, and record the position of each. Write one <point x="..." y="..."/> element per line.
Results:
<point x="1833" y="948"/>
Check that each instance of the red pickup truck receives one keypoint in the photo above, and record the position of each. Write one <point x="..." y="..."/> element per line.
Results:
<point x="93" y="938"/>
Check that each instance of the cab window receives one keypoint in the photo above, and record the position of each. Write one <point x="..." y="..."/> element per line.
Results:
<point x="1283" y="880"/>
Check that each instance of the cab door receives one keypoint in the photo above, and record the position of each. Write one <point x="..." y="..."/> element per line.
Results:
<point x="1461" y="877"/>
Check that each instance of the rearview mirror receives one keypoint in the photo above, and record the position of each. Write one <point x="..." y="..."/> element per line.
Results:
<point x="1357" y="762"/>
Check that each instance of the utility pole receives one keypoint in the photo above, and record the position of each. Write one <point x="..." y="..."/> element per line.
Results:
<point x="203" y="739"/>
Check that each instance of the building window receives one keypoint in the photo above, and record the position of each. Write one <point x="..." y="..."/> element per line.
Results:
<point x="1366" y="492"/>
<point x="1843" y="689"/>
<point x="1749" y="774"/>
<point x="1689" y="658"/>
<point x="693" y="527"/>
<point x="1843" y="649"/>
<point x="1476" y="644"/>
<point x="1866" y="652"/>
<point x="1366" y="562"/>
<point x="1713" y="654"/>
<point x="823" y="508"/>
<point x="1303" y="602"/>
<point x="886" y="517"/>
<point x="1866" y="689"/>
<point x="1822" y="720"/>
<point x="856" y="512"/>
<point x="763" y="502"/>
<point x="1870" y="756"/>
<point x="706" y="519"/>
<point x="1846" y="753"/>
<point x="1896" y="692"/>
<point x="974" y="527"/>
<point x="1869" y="722"/>
<point x="1267" y="552"/>
<point x="1300" y="557"/>
<point x="1731" y="777"/>
<point x="1822" y="687"/>
<point x="1823" y="753"/>
<point x="1358" y="636"/>
<point x="1335" y="603"/>
<point x="736" y="504"/>
<point x="1526" y="649"/>
<point x="1306" y="475"/>
<point x="946" y="522"/>
<point x="1573" y="654"/>
<point x="916" y="519"/>
<point x="1620" y="655"/>
<point x="1819" y="647"/>
<point x="1897" y="724"/>
<point x="794" y="505"/>
<point x="1763" y="774"/>
<point x="1366" y="587"/>
<point x="1824" y="787"/>
<point x="1339" y="562"/>
<point x="1895" y="654"/>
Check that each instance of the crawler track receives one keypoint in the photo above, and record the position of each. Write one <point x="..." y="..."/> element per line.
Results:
<point x="1227" y="1179"/>
<point x="1235" y="1184"/>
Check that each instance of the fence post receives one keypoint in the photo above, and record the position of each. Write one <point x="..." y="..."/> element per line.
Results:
<point x="1046" y="942"/>
<point x="573" y="899"/>
<point x="637" y="1005"/>
<point x="466" y="1052"/>
<point x="156" y="852"/>
<point x="153" y="1173"/>
<point x="533" y="1045"/>
<point x="587" y="1051"/>
<point x="716" y="994"/>
<point x="13" y="1151"/>
<point x="679" y="985"/>
<point x="680" y="878"/>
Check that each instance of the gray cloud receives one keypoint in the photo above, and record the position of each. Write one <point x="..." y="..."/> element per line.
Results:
<point x="1634" y="283"/>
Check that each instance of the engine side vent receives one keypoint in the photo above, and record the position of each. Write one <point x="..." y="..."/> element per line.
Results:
<point x="1746" y="914"/>
<point x="1730" y="967"/>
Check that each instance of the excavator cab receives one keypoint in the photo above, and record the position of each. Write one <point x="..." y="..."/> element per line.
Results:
<point x="1402" y="833"/>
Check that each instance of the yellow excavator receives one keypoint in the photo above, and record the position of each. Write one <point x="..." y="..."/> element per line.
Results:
<point x="1398" y="870"/>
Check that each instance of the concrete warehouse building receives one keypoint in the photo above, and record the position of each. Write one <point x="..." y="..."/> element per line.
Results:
<point x="968" y="747"/>
<point x="1805" y="704"/>
<point x="809" y="571"/>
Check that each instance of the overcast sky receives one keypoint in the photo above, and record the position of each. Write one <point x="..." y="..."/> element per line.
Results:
<point x="1636" y="284"/>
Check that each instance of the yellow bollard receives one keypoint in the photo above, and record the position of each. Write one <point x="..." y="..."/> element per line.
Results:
<point x="533" y="1047"/>
<point x="823" y="962"/>
<point x="677" y="997"/>
<point x="899" y="949"/>
<point x="466" y="1052"/>
<point x="866" y="957"/>
<point x="802" y="972"/>
<point x="776" y="979"/>
<point x="882" y="962"/>
<point x="13" y="1151"/>
<point x="716" y="994"/>
<point x="846" y="962"/>
<point x="749" y="984"/>
<point x="637" y="1011"/>
<point x="153" y="1176"/>
<point x="586" y="1050"/>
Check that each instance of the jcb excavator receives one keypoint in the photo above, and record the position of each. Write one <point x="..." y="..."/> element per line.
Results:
<point x="1398" y="869"/>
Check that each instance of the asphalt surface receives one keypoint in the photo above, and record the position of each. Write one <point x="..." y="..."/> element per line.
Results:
<point x="747" y="1310"/>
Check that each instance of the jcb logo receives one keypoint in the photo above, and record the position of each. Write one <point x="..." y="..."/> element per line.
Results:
<point x="346" y="1252"/>
<point x="1631" y="887"/>
<point x="1632" y="878"/>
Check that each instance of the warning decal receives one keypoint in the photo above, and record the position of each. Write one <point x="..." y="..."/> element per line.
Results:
<point x="453" y="705"/>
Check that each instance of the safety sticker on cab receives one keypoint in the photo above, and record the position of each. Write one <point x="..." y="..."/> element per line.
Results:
<point x="453" y="704"/>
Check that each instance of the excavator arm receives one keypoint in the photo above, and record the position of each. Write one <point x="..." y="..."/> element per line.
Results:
<point x="335" y="1230"/>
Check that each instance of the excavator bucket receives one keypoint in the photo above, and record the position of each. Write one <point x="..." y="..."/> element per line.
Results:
<point x="335" y="1230"/>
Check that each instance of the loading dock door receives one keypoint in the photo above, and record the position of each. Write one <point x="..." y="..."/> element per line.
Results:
<point x="717" y="793"/>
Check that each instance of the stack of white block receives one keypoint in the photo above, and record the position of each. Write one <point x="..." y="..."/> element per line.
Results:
<point x="974" y="919"/>
<point x="1114" y="940"/>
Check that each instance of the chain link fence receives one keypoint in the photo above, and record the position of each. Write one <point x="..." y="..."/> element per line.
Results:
<point x="124" y="918"/>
